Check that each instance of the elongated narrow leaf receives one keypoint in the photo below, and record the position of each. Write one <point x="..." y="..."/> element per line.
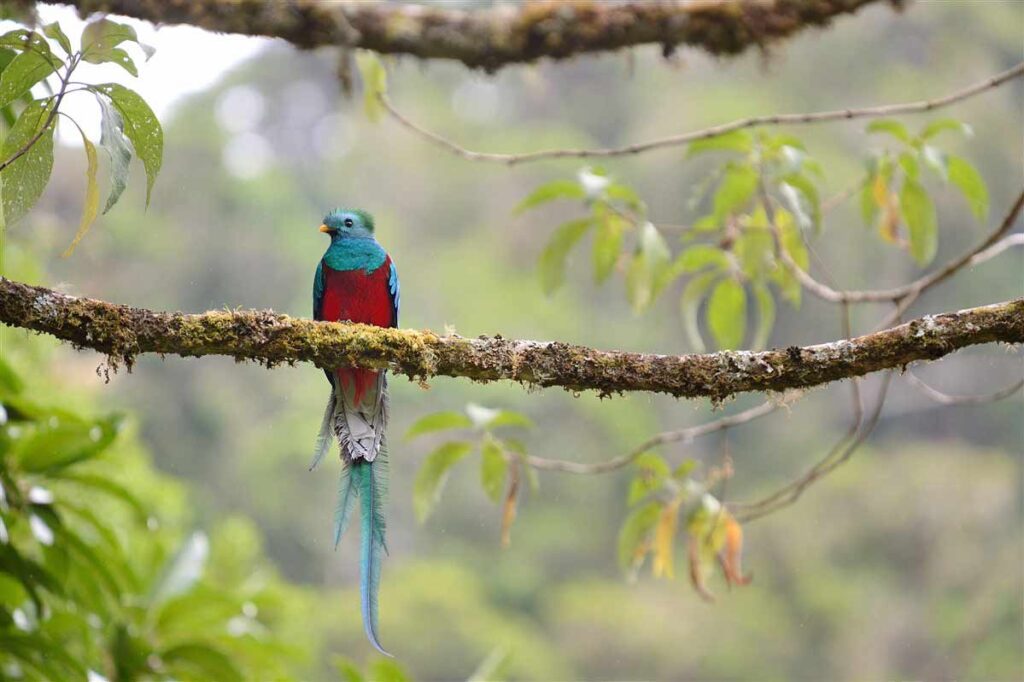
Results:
<point x="141" y="127"/>
<point x="792" y="241"/>
<point x="199" y="661"/>
<point x="689" y="303"/>
<point x="735" y="190"/>
<point x="890" y="127"/>
<point x="765" y="316"/>
<point x="700" y="256"/>
<point x="24" y="71"/>
<point x="919" y="214"/>
<point x="664" y="540"/>
<point x="556" y="189"/>
<point x="25" y="179"/>
<point x="937" y="160"/>
<point x="431" y="477"/>
<point x="944" y="124"/>
<point x="635" y="535"/>
<point x="493" y="466"/>
<point x="92" y="194"/>
<point x="24" y="40"/>
<point x="970" y="183"/>
<point x="727" y="313"/>
<point x="375" y="83"/>
<point x="805" y="202"/>
<point x="552" y="260"/>
<point x="438" y="421"/>
<point x="118" y="149"/>
<point x="607" y="246"/>
<point x="55" y="32"/>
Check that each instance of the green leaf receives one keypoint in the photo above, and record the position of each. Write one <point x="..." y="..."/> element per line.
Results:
<point x="944" y="124"/>
<point x="908" y="162"/>
<point x="792" y="241"/>
<point x="754" y="249"/>
<point x="634" y="533"/>
<point x="118" y="149"/>
<point x="509" y="418"/>
<point x="55" y="32"/>
<point x="92" y="194"/>
<point x="438" y="421"/>
<point x="348" y="670"/>
<point x="727" y="313"/>
<point x="765" y="316"/>
<point x="693" y="294"/>
<point x="735" y="190"/>
<point x="556" y="189"/>
<point x="387" y="670"/>
<point x="102" y="35"/>
<point x="431" y="477"/>
<point x="736" y="141"/>
<point x="700" y="256"/>
<point x="375" y="83"/>
<point x="922" y="224"/>
<point x="607" y="246"/>
<point x="626" y="194"/>
<point x="552" y="260"/>
<point x="492" y="468"/>
<point x="970" y="183"/>
<point x="651" y="474"/>
<point x="684" y="469"/>
<point x="24" y="71"/>
<point x="24" y="40"/>
<point x="198" y="660"/>
<point x="184" y="569"/>
<point x="646" y="274"/>
<point x="50" y="448"/>
<point x="937" y="160"/>
<point x="890" y="127"/>
<point x="141" y="127"/>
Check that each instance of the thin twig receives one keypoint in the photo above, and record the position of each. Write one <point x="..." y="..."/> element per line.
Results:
<point x="704" y="133"/>
<point x="686" y="435"/>
<point x="948" y="399"/>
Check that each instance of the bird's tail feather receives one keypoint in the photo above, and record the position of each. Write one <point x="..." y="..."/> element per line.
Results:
<point x="324" y="438"/>
<point x="371" y="482"/>
<point x="347" y="494"/>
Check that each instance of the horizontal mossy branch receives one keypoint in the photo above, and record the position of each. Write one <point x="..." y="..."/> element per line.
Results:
<point x="123" y="332"/>
<point x="500" y="35"/>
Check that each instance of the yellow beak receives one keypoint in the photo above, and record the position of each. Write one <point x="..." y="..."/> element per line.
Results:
<point x="325" y="229"/>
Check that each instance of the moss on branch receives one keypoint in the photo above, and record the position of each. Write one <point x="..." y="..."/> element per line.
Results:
<point x="123" y="332"/>
<point x="501" y="35"/>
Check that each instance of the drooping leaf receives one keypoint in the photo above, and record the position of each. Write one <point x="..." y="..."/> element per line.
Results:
<point x="700" y="256"/>
<point x="556" y="189"/>
<point x="438" y="421"/>
<point x="118" y="149"/>
<point x="736" y="141"/>
<point x="141" y="127"/>
<point x="765" y="316"/>
<point x="689" y="302"/>
<point x="493" y="466"/>
<point x="55" y="32"/>
<point x="616" y="191"/>
<point x="803" y="200"/>
<point x="922" y="224"/>
<point x="970" y="183"/>
<point x="792" y="241"/>
<point x="651" y="473"/>
<point x="24" y="40"/>
<point x="375" y="83"/>
<point x="754" y="249"/>
<point x="664" y="539"/>
<point x="92" y="194"/>
<point x="727" y="313"/>
<point x="552" y="259"/>
<point x="944" y="124"/>
<point x="908" y="162"/>
<point x="737" y="187"/>
<point x="634" y="537"/>
<point x="607" y="245"/>
<point x="509" y="507"/>
<point x="431" y="477"/>
<point x="24" y="71"/>
<point x="644" y="278"/>
<point x="890" y="127"/>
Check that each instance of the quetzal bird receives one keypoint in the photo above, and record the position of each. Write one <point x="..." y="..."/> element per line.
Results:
<point x="356" y="281"/>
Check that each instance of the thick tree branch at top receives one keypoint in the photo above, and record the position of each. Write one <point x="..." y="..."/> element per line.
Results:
<point x="500" y="35"/>
<point x="122" y="332"/>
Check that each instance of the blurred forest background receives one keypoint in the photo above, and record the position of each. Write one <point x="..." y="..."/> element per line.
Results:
<point x="904" y="564"/>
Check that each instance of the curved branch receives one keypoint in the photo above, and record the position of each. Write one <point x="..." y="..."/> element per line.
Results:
<point x="949" y="399"/>
<point x="498" y="36"/>
<point x="122" y="332"/>
<point x="705" y="133"/>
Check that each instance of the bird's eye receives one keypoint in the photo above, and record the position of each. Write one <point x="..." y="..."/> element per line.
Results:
<point x="349" y="222"/>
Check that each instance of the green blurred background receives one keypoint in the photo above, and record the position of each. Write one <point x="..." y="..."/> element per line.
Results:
<point x="904" y="564"/>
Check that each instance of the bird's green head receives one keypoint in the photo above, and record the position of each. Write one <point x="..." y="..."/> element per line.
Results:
<point x="346" y="222"/>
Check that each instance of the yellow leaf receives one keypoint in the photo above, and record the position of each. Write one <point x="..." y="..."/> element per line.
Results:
<point x="508" y="514"/>
<point x="730" y="556"/>
<point x="664" y="536"/>
<point x="92" y="195"/>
